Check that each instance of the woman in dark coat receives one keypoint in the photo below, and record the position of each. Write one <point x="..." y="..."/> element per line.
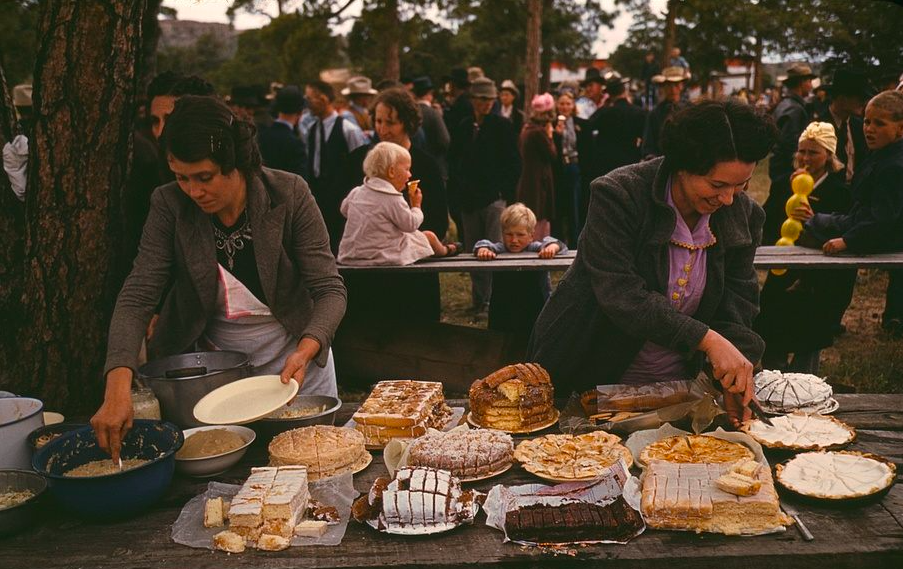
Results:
<point x="802" y="310"/>
<point x="536" y="187"/>
<point x="664" y="282"/>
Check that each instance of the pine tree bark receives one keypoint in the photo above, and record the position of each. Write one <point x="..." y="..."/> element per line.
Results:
<point x="392" y="69"/>
<point x="670" y="31"/>
<point x="84" y="93"/>
<point x="534" y="50"/>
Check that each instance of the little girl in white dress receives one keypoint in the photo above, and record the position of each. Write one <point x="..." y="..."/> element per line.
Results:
<point x="382" y="227"/>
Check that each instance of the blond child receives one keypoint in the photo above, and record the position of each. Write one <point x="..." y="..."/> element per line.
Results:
<point x="382" y="227"/>
<point x="518" y="296"/>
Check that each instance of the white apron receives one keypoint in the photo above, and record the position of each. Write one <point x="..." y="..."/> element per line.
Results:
<point x="245" y="324"/>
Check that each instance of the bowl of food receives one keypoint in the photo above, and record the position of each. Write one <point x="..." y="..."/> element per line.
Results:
<point x="212" y="450"/>
<point x="43" y="435"/>
<point x="84" y="480"/>
<point x="302" y="411"/>
<point x="20" y="491"/>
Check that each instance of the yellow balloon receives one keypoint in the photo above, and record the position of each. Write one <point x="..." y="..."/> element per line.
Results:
<point x="794" y="202"/>
<point x="784" y="242"/>
<point x="791" y="229"/>
<point x="802" y="184"/>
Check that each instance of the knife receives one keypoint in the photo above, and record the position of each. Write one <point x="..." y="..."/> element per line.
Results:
<point x="793" y="513"/>
<point x="753" y="405"/>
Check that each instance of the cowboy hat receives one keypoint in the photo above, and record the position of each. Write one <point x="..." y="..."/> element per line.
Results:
<point x="359" y="85"/>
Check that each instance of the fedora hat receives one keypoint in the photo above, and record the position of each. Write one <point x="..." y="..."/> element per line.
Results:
<point x="799" y="72"/>
<point x="422" y="85"/>
<point x="850" y="82"/>
<point x="592" y="75"/>
<point x="672" y="74"/>
<point x="484" y="88"/>
<point x="359" y="85"/>
<point x="508" y="85"/>
<point x="289" y="100"/>
<point x="458" y="77"/>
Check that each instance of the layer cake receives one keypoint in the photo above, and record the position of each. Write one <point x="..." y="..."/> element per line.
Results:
<point x="516" y="398"/>
<point x="468" y="454"/>
<point x="780" y="392"/>
<point x="401" y="409"/>
<point x="325" y="450"/>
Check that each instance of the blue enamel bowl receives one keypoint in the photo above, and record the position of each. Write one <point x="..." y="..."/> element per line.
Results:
<point x="117" y="495"/>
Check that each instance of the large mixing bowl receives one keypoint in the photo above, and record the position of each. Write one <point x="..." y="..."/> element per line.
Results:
<point x="20" y="516"/>
<point x="270" y="426"/>
<point x="179" y="382"/>
<point x="115" y="495"/>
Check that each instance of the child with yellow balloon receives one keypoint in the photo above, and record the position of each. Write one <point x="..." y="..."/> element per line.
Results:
<point x="801" y="309"/>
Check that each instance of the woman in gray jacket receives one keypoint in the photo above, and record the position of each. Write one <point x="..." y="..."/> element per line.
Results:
<point x="664" y="281"/>
<point x="239" y="257"/>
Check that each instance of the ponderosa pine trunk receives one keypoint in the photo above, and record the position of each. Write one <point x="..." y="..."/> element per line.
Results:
<point x="392" y="67"/>
<point x="84" y="93"/>
<point x="534" y="48"/>
<point x="670" y="31"/>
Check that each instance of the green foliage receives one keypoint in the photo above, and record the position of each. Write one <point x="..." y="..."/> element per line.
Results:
<point x="18" y="40"/>
<point x="202" y="58"/>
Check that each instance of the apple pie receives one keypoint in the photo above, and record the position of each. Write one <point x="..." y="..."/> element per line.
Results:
<point x="572" y="457"/>
<point x="695" y="449"/>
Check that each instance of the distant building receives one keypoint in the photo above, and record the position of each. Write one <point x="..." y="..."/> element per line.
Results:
<point x="185" y="33"/>
<point x="560" y="71"/>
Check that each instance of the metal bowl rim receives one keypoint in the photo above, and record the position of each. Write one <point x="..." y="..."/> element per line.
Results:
<point x="333" y="409"/>
<point x="245" y="430"/>
<point x="40" y="409"/>
<point x="29" y="473"/>
<point x="246" y="363"/>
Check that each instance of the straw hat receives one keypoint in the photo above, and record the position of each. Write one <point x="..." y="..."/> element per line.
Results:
<point x="670" y="75"/>
<point x="359" y="85"/>
<point x="508" y="85"/>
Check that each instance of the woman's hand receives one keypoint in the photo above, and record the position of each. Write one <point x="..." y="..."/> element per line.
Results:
<point x="732" y="370"/>
<point x="803" y="213"/>
<point x="114" y="418"/>
<point x="834" y="245"/>
<point x="485" y="254"/>
<point x="416" y="197"/>
<point x="549" y="251"/>
<point x="296" y="364"/>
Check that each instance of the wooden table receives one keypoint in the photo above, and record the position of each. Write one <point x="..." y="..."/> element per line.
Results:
<point x="766" y="258"/>
<point x="868" y="536"/>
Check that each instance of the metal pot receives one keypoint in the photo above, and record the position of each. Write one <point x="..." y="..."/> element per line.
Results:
<point x="19" y="416"/>
<point x="179" y="382"/>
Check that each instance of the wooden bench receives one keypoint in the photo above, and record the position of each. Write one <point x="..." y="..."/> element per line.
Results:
<point x="766" y="258"/>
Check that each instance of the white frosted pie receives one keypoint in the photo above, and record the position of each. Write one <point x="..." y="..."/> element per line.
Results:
<point x="786" y="392"/>
<point x="836" y="475"/>
<point x="801" y="431"/>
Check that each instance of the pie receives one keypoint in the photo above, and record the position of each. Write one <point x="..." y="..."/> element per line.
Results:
<point x="687" y="497"/>
<point x="695" y="449"/>
<point x="469" y="454"/>
<point x="325" y="450"/>
<point x="516" y="398"/>
<point x="780" y="392"/>
<point x="573" y="457"/>
<point x="401" y="409"/>
<point x="836" y="475"/>
<point x="801" y="431"/>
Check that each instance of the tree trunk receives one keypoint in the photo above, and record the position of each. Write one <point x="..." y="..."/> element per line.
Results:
<point x="392" y="69"/>
<point x="757" y="66"/>
<point x="84" y="92"/>
<point x="670" y="31"/>
<point x="151" y="30"/>
<point x="534" y="49"/>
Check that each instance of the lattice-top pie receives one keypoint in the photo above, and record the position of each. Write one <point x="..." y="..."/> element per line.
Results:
<point x="572" y="456"/>
<point x="801" y="431"/>
<point x="836" y="475"/>
<point x="695" y="449"/>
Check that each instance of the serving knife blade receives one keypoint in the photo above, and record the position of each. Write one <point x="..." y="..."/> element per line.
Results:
<point x="794" y="513"/>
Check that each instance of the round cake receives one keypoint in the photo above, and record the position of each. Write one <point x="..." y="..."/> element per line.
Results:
<point x="325" y="450"/>
<point x="516" y="398"/>
<point x="695" y="449"/>
<point x="780" y="392"/>
<point x="470" y="454"/>
<point x="801" y="431"/>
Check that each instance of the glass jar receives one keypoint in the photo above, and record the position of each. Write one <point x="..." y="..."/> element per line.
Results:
<point x="145" y="404"/>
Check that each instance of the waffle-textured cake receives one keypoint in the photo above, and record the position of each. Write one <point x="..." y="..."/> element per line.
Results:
<point x="401" y="409"/>
<point x="466" y="454"/>
<point x="418" y="500"/>
<point x="270" y="503"/>
<point x="687" y="497"/>
<point x="515" y="398"/>
<point x="325" y="450"/>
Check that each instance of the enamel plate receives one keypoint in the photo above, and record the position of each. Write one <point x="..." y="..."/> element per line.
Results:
<point x="245" y="400"/>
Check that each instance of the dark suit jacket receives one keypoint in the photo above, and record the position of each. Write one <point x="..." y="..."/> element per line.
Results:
<point x="282" y="150"/>
<point x="291" y="248"/>
<point x="620" y="128"/>
<point x="612" y="299"/>
<point x="485" y="166"/>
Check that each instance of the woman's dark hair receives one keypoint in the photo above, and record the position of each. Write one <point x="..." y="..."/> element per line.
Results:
<point x="405" y="106"/>
<point x="701" y="135"/>
<point x="203" y="127"/>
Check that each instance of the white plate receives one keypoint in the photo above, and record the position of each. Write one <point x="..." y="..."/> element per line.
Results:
<point x="244" y="400"/>
<point x="52" y="418"/>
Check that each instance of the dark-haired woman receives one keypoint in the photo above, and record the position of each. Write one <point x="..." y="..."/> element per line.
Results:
<point x="664" y="276"/>
<point x="245" y="255"/>
<point x="386" y="296"/>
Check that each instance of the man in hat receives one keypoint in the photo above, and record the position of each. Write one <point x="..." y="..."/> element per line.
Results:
<point x="484" y="167"/>
<point x="650" y="70"/>
<point x="593" y="93"/>
<point x="620" y="126"/>
<point x="330" y="141"/>
<point x="508" y="94"/>
<point x="671" y="84"/>
<point x="791" y="118"/>
<point x="280" y="145"/>
<point x="457" y="102"/>
<point x="849" y="91"/>
<point x="359" y="92"/>
<point x="433" y="135"/>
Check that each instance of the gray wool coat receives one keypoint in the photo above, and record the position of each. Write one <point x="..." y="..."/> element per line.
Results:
<point x="613" y="297"/>
<point x="297" y="270"/>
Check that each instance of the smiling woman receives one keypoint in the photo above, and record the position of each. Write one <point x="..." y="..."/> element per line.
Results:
<point x="664" y="280"/>
<point x="239" y="256"/>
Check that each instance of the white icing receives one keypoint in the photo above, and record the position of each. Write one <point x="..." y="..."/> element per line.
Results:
<point x="789" y="391"/>
<point x="801" y="430"/>
<point x="835" y="475"/>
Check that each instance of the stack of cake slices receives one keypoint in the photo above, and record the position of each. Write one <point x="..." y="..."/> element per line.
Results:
<point x="325" y="450"/>
<point x="516" y="398"/>
<point x="401" y="409"/>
